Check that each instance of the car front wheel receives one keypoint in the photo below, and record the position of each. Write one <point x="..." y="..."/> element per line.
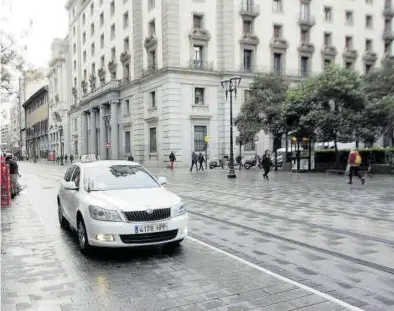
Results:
<point x="83" y="241"/>
<point x="62" y="220"/>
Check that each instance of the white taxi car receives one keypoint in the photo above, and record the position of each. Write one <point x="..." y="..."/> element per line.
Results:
<point x="119" y="204"/>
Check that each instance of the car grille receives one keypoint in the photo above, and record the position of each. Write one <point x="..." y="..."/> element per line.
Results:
<point x="157" y="214"/>
<point x="149" y="237"/>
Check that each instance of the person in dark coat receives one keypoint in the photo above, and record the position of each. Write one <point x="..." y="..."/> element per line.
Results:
<point x="172" y="160"/>
<point x="266" y="163"/>
<point x="71" y="158"/>
<point x="194" y="161"/>
<point x="201" y="161"/>
<point x="130" y="158"/>
<point x="65" y="158"/>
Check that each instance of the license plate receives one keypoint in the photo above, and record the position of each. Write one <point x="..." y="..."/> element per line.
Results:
<point x="138" y="229"/>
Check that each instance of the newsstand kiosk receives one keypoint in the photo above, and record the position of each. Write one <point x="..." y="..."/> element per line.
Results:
<point x="5" y="183"/>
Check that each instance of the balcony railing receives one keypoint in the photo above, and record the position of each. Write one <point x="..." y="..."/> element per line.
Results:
<point x="388" y="35"/>
<point x="388" y="10"/>
<point x="113" y="84"/>
<point x="199" y="65"/>
<point x="287" y="72"/>
<point x="306" y="21"/>
<point x="249" y="9"/>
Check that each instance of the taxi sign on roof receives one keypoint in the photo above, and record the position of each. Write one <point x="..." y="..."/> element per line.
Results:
<point x="88" y="158"/>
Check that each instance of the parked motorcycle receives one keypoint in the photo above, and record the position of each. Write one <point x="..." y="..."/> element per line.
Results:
<point x="256" y="161"/>
<point x="215" y="162"/>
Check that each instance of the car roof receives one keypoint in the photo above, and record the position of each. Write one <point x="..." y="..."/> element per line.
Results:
<point x="106" y="163"/>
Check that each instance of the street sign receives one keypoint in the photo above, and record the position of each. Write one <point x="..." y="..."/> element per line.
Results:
<point x="206" y="139"/>
<point x="107" y="145"/>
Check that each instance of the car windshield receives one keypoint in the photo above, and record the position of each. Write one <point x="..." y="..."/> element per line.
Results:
<point x="118" y="177"/>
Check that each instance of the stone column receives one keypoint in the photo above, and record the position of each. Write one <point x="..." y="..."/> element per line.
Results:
<point x="93" y="138"/>
<point x="101" y="148"/>
<point x="114" y="131"/>
<point x="84" y="134"/>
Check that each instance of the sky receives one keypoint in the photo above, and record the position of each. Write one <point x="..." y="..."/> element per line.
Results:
<point x="48" y="21"/>
<point x="33" y="24"/>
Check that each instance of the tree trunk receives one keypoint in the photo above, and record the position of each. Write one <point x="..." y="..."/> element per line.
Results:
<point x="337" y="159"/>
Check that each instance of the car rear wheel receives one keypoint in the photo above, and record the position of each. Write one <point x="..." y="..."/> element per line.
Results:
<point x="62" y="220"/>
<point x="83" y="240"/>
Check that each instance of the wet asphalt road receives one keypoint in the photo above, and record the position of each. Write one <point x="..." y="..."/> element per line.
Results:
<point x="313" y="229"/>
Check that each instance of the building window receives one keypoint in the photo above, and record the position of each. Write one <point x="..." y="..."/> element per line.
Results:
<point x="368" y="45"/>
<point x="75" y="65"/>
<point x="151" y="4"/>
<point x="247" y="27"/>
<point x="305" y="11"/>
<point x="197" y="56"/>
<point x="152" y="140"/>
<point x="113" y="54"/>
<point x="75" y="82"/>
<point x="153" y="99"/>
<point x="199" y="135"/>
<point x="84" y="56"/>
<point x="304" y="66"/>
<point x="152" y="60"/>
<point x="197" y="21"/>
<point x="102" y="61"/>
<point x="387" y="48"/>
<point x="75" y="147"/>
<point x="127" y="107"/>
<point x="127" y="142"/>
<point x="349" y="18"/>
<point x="250" y="146"/>
<point x="126" y="44"/>
<point x="277" y="5"/>
<point x="349" y="42"/>
<point x="112" y="31"/>
<point x="199" y="96"/>
<point x="368" y="21"/>
<point x="126" y="20"/>
<point x="277" y="62"/>
<point x="92" y="29"/>
<point x="277" y="31"/>
<point x="328" y="14"/>
<point x="348" y="65"/>
<point x="367" y="68"/>
<point x="83" y="19"/>
<point x="74" y="31"/>
<point x="327" y="63"/>
<point x="92" y="48"/>
<point x="92" y="8"/>
<point x="93" y="69"/>
<point x="327" y="38"/>
<point x="369" y="1"/>
<point x="304" y="36"/>
<point x="85" y="75"/>
<point x="102" y="19"/>
<point x="248" y="61"/>
<point x="74" y="48"/>
<point x="84" y="37"/>
<point x="112" y="8"/>
<point x="152" y="28"/>
<point x="102" y="41"/>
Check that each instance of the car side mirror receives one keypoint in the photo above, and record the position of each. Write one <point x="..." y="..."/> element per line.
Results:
<point x="70" y="185"/>
<point x="162" y="180"/>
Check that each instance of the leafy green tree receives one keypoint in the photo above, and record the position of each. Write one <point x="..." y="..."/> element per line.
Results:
<point x="264" y="108"/>
<point x="336" y="95"/>
<point x="380" y="83"/>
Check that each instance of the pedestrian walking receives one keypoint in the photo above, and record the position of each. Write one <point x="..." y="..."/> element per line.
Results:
<point x="172" y="160"/>
<point x="201" y="161"/>
<point x="194" y="161"/>
<point x="353" y="166"/>
<point x="266" y="163"/>
<point x="71" y="158"/>
<point x="14" y="174"/>
<point x="65" y="158"/>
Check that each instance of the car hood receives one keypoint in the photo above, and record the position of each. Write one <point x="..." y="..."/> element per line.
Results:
<point x="134" y="199"/>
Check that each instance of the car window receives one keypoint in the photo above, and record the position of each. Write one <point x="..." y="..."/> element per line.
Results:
<point x="117" y="177"/>
<point x="76" y="176"/>
<point x="69" y="173"/>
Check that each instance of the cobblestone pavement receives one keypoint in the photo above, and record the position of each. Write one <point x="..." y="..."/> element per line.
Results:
<point x="313" y="229"/>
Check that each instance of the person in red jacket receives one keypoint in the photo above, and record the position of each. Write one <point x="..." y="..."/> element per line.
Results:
<point x="354" y="163"/>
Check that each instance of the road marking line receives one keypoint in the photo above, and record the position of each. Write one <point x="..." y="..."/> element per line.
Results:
<point x="261" y="269"/>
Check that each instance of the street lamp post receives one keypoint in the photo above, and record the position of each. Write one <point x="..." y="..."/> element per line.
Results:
<point x="231" y="86"/>
<point x="107" y="119"/>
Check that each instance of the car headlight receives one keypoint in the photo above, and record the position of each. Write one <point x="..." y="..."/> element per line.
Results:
<point x="179" y="210"/>
<point x="99" y="213"/>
